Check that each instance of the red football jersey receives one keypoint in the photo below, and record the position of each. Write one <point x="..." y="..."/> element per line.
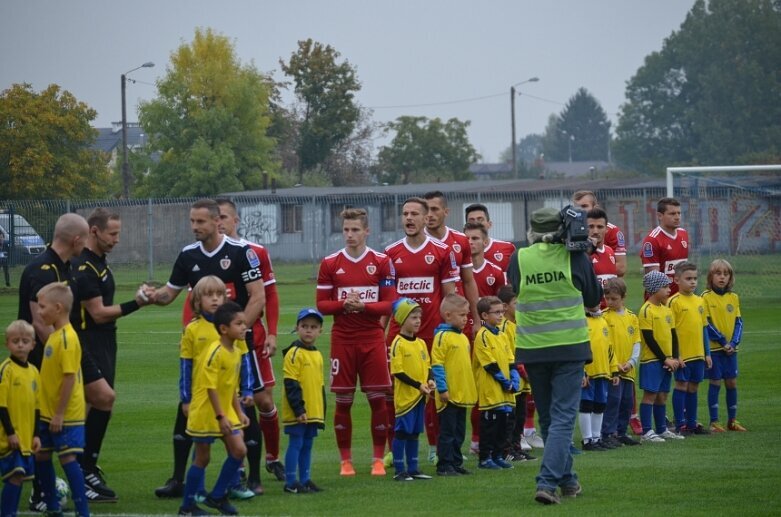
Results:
<point x="499" y="252"/>
<point x="420" y="274"/>
<point x="459" y="243"/>
<point x="665" y="251"/>
<point x="489" y="279"/>
<point x="371" y="276"/>
<point x="614" y="238"/>
<point x="604" y="262"/>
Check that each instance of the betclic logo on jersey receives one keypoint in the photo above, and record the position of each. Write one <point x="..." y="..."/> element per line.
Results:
<point x="415" y="284"/>
<point x="366" y="293"/>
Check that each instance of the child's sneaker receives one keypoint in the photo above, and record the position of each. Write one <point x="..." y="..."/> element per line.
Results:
<point x="502" y="463"/>
<point x="241" y="493"/>
<point x="636" y="425"/>
<point x="403" y="476"/>
<point x="311" y="487"/>
<point x="347" y="468"/>
<point x="488" y="464"/>
<point x="651" y="437"/>
<point x="535" y="440"/>
<point x="192" y="510"/>
<point x="670" y="435"/>
<point x="716" y="427"/>
<point x="734" y="425"/>
<point x="295" y="488"/>
<point x="700" y="429"/>
<point x="416" y="474"/>
<point x="378" y="468"/>
<point x="460" y="470"/>
<point x="388" y="460"/>
<point x="277" y="468"/>
<point x="221" y="505"/>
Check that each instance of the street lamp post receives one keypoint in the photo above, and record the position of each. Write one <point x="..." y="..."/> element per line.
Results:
<point x="125" y="164"/>
<point x="512" y="119"/>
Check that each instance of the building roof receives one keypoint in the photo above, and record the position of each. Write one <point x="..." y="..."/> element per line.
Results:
<point x="110" y="138"/>
<point x="575" y="169"/>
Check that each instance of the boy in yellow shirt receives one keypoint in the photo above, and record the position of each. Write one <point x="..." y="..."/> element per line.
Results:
<point x="455" y="383"/>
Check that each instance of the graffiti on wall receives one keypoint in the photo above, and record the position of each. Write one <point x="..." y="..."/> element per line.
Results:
<point x="259" y="223"/>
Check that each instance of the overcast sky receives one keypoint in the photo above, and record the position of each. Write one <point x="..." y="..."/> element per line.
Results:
<point x="407" y="52"/>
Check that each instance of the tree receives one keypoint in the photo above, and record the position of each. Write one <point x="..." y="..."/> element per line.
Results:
<point x="581" y="131"/>
<point x="44" y="146"/>
<point x="329" y="114"/>
<point x="208" y="125"/>
<point x="427" y="150"/>
<point x="710" y="95"/>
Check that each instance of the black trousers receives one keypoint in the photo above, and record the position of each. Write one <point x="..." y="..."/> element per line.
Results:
<point x="452" y="433"/>
<point x="493" y="433"/>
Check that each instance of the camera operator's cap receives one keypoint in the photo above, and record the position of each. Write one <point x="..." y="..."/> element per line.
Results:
<point x="655" y="280"/>
<point x="309" y="311"/>
<point x="402" y="308"/>
<point x="546" y="220"/>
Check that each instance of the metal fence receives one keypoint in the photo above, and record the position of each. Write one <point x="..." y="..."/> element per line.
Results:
<point x="299" y="228"/>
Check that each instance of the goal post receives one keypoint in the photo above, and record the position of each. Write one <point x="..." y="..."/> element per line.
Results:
<point x="733" y="212"/>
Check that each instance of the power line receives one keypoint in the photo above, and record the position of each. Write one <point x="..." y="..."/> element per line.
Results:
<point x="443" y="103"/>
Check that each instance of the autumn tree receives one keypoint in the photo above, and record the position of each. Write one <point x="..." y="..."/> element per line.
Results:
<point x="208" y="126"/>
<point x="325" y="88"/>
<point x="45" y="143"/>
<point x="711" y="94"/>
<point x="427" y="150"/>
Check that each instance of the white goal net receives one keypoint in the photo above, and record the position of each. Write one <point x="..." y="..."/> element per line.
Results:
<point x="733" y="213"/>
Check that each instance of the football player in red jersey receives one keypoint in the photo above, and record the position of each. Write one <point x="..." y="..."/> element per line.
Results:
<point x="602" y="258"/>
<point x="426" y="271"/>
<point x="614" y="237"/>
<point x="668" y="244"/>
<point x="435" y="227"/>
<point x="496" y="251"/>
<point x="264" y="347"/>
<point x="357" y="286"/>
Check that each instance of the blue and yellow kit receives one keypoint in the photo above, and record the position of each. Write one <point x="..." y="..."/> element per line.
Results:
<point x="491" y="346"/>
<point x="603" y="363"/>
<point x="690" y="325"/>
<point x="452" y="367"/>
<point x="660" y="320"/>
<point x="408" y="356"/>
<point x="19" y="385"/>
<point x="624" y="331"/>
<point x="62" y="356"/>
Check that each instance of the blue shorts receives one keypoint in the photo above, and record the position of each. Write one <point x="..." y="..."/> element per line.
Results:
<point x="694" y="371"/>
<point x="654" y="377"/>
<point x="724" y="366"/>
<point x="211" y="439"/>
<point x="68" y="441"/>
<point x="596" y="391"/>
<point x="411" y="422"/>
<point x="14" y="463"/>
<point x="302" y="430"/>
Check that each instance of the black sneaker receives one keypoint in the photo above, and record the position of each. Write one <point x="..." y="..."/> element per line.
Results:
<point x="37" y="504"/>
<point x="96" y="489"/>
<point x="295" y="488"/>
<point x="416" y="474"/>
<point x="605" y="445"/>
<point x="627" y="440"/>
<point x="450" y="471"/>
<point x="461" y="470"/>
<point x="402" y="476"/>
<point x="173" y="488"/>
<point x="311" y="487"/>
<point x="222" y="505"/>
<point x="275" y="467"/>
<point x="700" y="429"/>
<point x="192" y="510"/>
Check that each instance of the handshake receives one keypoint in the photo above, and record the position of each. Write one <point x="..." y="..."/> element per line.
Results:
<point x="146" y="294"/>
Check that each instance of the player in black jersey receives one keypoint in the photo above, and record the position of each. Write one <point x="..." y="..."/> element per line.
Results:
<point x="98" y="334"/>
<point x="234" y="263"/>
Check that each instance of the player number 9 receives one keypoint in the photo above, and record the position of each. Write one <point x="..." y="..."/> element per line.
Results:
<point x="334" y="367"/>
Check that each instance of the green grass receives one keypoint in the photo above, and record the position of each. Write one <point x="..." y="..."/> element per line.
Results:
<point x="734" y="472"/>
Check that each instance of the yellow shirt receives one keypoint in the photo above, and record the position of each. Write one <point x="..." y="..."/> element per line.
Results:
<point x="451" y="351"/>
<point x="19" y="394"/>
<point x="62" y="356"/>
<point x="408" y="356"/>
<point x="660" y="320"/>
<point x="491" y="348"/>
<point x="690" y="322"/>
<point x="305" y="365"/>
<point x="219" y="370"/>
<point x="624" y="333"/>
<point x="603" y="362"/>
<point x="723" y="310"/>
<point x="509" y="329"/>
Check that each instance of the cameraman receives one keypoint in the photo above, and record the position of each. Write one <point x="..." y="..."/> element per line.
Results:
<point x="553" y="285"/>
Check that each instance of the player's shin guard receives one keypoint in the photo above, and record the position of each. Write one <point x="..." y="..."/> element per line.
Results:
<point x="713" y="401"/>
<point x="195" y="480"/>
<point x="182" y="445"/>
<point x="228" y="472"/>
<point x="76" y="482"/>
<point x="95" y="428"/>
<point x="646" y="416"/>
<point x="12" y="494"/>
<point x="343" y="425"/>
<point x="691" y="410"/>
<point x="295" y="443"/>
<point x="269" y="425"/>
<point x="679" y="403"/>
<point x="379" y="423"/>
<point x="660" y="417"/>
<point x="732" y="403"/>
<point x="252" y="440"/>
<point x="530" y="409"/>
<point x="432" y="422"/>
<point x="390" y="414"/>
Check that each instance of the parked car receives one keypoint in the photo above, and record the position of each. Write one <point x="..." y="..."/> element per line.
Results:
<point x="26" y="244"/>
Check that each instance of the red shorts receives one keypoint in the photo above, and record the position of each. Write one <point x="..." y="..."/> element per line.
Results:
<point x="369" y="361"/>
<point x="265" y="367"/>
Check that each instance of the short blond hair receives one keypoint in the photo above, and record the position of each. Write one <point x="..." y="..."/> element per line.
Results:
<point x="452" y="302"/>
<point x="721" y="265"/>
<point x="207" y="285"/>
<point x="21" y="328"/>
<point x="58" y="292"/>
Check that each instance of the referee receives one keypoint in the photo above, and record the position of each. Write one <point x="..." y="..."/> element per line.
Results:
<point x="98" y="335"/>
